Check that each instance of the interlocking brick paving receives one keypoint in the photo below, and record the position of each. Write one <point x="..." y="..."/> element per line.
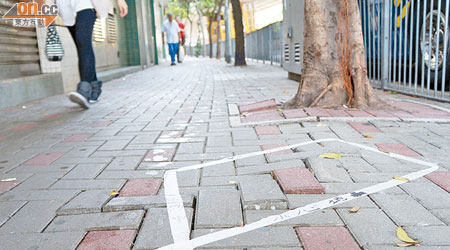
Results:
<point x="111" y="240"/>
<point x="258" y="106"/>
<point x="44" y="159"/>
<point x="5" y="186"/>
<point x="397" y="148"/>
<point x="78" y="138"/>
<point x="272" y="146"/>
<point x="326" y="238"/>
<point x="267" y="130"/>
<point x="140" y="187"/>
<point x="442" y="179"/>
<point x="364" y="127"/>
<point x="160" y="155"/>
<point x="24" y="127"/>
<point x="298" y="181"/>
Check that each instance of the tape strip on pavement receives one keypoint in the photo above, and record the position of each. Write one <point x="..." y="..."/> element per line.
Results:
<point x="178" y="219"/>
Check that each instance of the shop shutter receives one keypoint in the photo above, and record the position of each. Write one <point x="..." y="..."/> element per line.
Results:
<point x="19" y="53"/>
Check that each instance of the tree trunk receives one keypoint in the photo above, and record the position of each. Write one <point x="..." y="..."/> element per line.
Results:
<point x="211" y="18"/>
<point x="218" y="50"/>
<point x="239" y="57"/>
<point x="334" y="69"/>
<point x="202" y="28"/>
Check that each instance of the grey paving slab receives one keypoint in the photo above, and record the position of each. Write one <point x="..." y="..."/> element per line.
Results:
<point x="420" y="247"/>
<point x="343" y="188"/>
<point x="130" y="174"/>
<point x="428" y="194"/>
<point x="405" y="211"/>
<point x="155" y="231"/>
<point x="88" y="184"/>
<point x="134" y="203"/>
<point x="124" y="163"/>
<point x="33" y="217"/>
<point x="220" y="208"/>
<point x="369" y="226"/>
<point x="89" y="201"/>
<point x="328" y="170"/>
<point x="254" y="160"/>
<point x="267" y="237"/>
<point x="300" y="200"/>
<point x="189" y="178"/>
<point x="442" y="214"/>
<point x="36" y="195"/>
<point x="432" y="235"/>
<point x="191" y="148"/>
<point x="8" y="209"/>
<point x="39" y="181"/>
<point x="224" y="169"/>
<point x="262" y="192"/>
<point x="39" y="169"/>
<point x="268" y="168"/>
<point x="321" y="218"/>
<point x="166" y="165"/>
<point x="84" y="171"/>
<point x="97" y="221"/>
<point x="41" y="241"/>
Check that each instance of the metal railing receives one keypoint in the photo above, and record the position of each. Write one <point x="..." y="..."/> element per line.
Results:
<point x="407" y="46"/>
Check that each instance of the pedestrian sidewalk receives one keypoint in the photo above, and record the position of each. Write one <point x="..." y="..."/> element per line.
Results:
<point x="183" y="152"/>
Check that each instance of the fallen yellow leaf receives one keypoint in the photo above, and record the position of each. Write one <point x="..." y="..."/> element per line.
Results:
<point x="284" y="92"/>
<point x="330" y="155"/>
<point x="403" y="236"/>
<point x="368" y="136"/>
<point x="401" y="178"/>
<point x="113" y="193"/>
<point x="383" y="150"/>
<point x="355" y="209"/>
<point x="405" y="244"/>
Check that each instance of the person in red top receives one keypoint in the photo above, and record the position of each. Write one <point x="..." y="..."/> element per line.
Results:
<point x="182" y="37"/>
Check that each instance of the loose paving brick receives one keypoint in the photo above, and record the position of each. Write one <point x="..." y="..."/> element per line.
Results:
<point x="136" y="203"/>
<point x="114" y="145"/>
<point x="267" y="130"/>
<point x="97" y="221"/>
<point x="298" y="181"/>
<point x="5" y="186"/>
<point x="258" y="106"/>
<point x="89" y="201"/>
<point x="324" y="238"/>
<point x="130" y="174"/>
<point x="140" y="187"/>
<point x="273" y="146"/>
<point x="171" y="134"/>
<point x="364" y="127"/>
<point x="326" y="217"/>
<point x="113" y="239"/>
<point x="397" y="149"/>
<point x="224" y="169"/>
<point x="159" y="155"/>
<point x="211" y="203"/>
<point x="300" y="200"/>
<point x="317" y="112"/>
<point x="59" y="240"/>
<point x="263" y="116"/>
<point x="328" y="170"/>
<point x="294" y="113"/>
<point x="442" y="179"/>
<point x="268" y="168"/>
<point x="78" y="138"/>
<point x="44" y="159"/>
<point x="154" y="232"/>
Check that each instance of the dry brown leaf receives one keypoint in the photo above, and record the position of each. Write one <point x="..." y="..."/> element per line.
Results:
<point x="330" y="155"/>
<point x="401" y="178"/>
<point x="355" y="209"/>
<point x="368" y="136"/>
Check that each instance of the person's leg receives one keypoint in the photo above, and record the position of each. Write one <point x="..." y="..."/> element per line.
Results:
<point x="178" y="54"/>
<point x="172" y="52"/>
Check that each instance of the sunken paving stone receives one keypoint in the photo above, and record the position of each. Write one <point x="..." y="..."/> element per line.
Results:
<point x="267" y="130"/>
<point x="8" y="209"/>
<point x="317" y="112"/>
<point x="273" y="146"/>
<point x="218" y="209"/>
<point x="337" y="113"/>
<point x="54" y="241"/>
<point x="364" y="127"/>
<point x="78" y="138"/>
<point x="324" y="238"/>
<point x="326" y="217"/>
<point x="5" y="186"/>
<point x="44" y="159"/>
<point x="267" y="237"/>
<point x="397" y="148"/>
<point x="262" y="192"/>
<point x="294" y="113"/>
<point x="159" y="155"/>
<point x="298" y="181"/>
<point x="140" y="187"/>
<point x="89" y="201"/>
<point x="224" y="169"/>
<point x="405" y="211"/>
<point x="263" y="116"/>
<point x="300" y="200"/>
<point x="155" y="231"/>
<point x="328" y="170"/>
<point x="442" y="179"/>
<point x="112" y="239"/>
<point x="268" y="168"/>
<point x="171" y="134"/>
<point x="143" y="202"/>
<point x="97" y="221"/>
<point x="258" y="106"/>
<point x="369" y="226"/>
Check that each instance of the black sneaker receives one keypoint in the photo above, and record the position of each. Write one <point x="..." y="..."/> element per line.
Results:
<point x="173" y="64"/>
<point x="79" y="99"/>
<point x="96" y="91"/>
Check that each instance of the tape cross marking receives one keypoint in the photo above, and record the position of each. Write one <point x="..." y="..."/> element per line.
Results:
<point x="178" y="219"/>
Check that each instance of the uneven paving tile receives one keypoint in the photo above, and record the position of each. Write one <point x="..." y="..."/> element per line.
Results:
<point x="88" y="184"/>
<point x="267" y="130"/>
<point x="358" y="113"/>
<point x="324" y="238"/>
<point x="85" y="171"/>
<point x="89" y="201"/>
<point x="328" y="170"/>
<point x="273" y="146"/>
<point x="442" y="179"/>
<point x="364" y="127"/>
<point x="317" y="112"/>
<point x="189" y="178"/>
<point x="47" y="241"/>
<point x="224" y="169"/>
<point x="405" y="211"/>
<point x="41" y="180"/>
<point x="140" y="187"/>
<point x="263" y="116"/>
<point x="298" y="181"/>
<point x="159" y="155"/>
<point x="33" y="217"/>
<point x="268" y="237"/>
<point x="398" y="149"/>
<point x="369" y="226"/>
<point x="155" y="231"/>
<point x="39" y="195"/>
<point x="218" y="209"/>
<point x="432" y="235"/>
<point x="113" y="239"/>
<point x="5" y="186"/>
<point x="258" y="106"/>
<point x="294" y="113"/>
<point x="326" y="217"/>
<point x="77" y="138"/>
<point x="97" y="221"/>
<point x="43" y="159"/>
<point x="171" y="134"/>
<point x="390" y="247"/>
<point x="262" y="192"/>
<point x="300" y="200"/>
<point x="268" y="168"/>
<point x="135" y="203"/>
<point x="8" y="209"/>
<point x="343" y="188"/>
<point x="428" y="194"/>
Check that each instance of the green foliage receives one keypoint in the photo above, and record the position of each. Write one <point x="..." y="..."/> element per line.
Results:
<point x="180" y="8"/>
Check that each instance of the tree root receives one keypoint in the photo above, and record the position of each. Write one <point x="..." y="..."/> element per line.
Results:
<point x="322" y="94"/>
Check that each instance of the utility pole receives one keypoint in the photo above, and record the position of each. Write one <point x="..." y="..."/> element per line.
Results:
<point x="228" y="33"/>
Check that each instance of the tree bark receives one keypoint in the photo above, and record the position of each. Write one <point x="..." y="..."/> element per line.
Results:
<point x="202" y="28"/>
<point x="211" y="18"/>
<point x="334" y="69"/>
<point x="218" y="50"/>
<point x="239" y="57"/>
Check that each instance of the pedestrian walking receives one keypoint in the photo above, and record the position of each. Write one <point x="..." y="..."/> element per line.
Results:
<point x="182" y="40"/>
<point x="172" y="30"/>
<point x="79" y="16"/>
